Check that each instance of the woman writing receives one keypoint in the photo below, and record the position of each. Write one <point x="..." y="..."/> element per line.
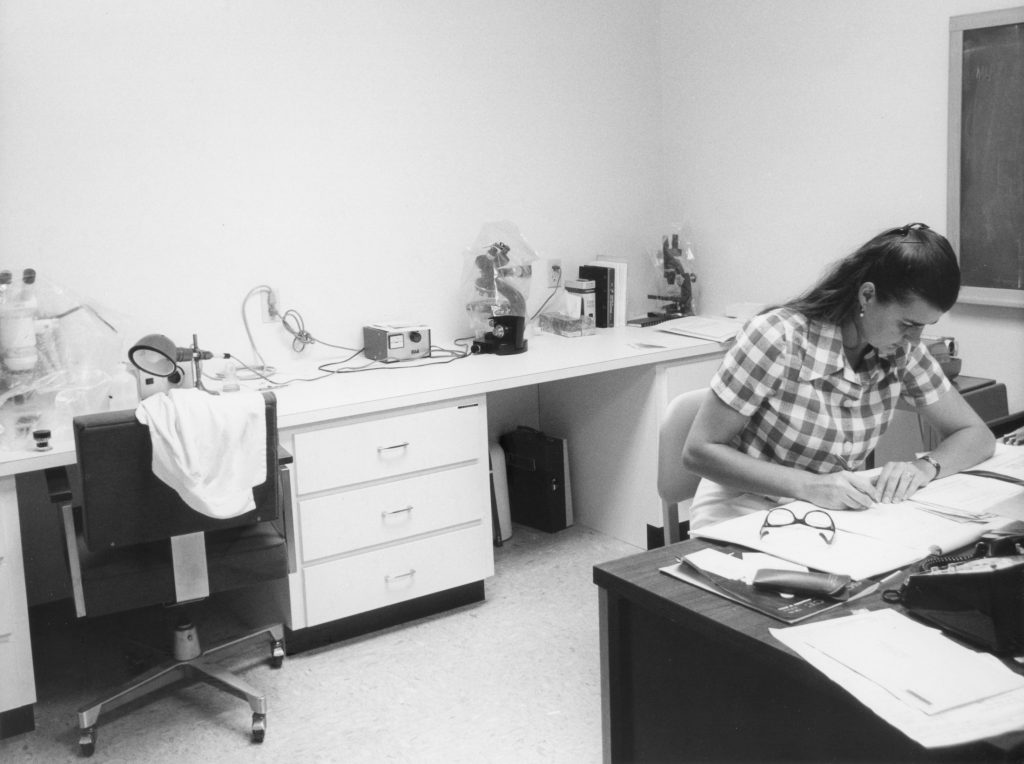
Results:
<point x="804" y="394"/>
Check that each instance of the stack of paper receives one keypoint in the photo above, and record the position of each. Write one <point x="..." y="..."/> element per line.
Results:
<point x="1007" y="464"/>
<point x="849" y="554"/>
<point x="924" y="684"/>
<point x="714" y="328"/>
<point x="945" y="515"/>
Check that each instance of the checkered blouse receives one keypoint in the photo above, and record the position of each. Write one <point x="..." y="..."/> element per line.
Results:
<point x="808" y="408"/>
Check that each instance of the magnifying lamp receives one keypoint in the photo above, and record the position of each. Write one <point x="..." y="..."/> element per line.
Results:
<point x="157" y="356"/>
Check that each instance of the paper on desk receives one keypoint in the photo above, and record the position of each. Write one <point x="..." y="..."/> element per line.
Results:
<point x="967" y="493"/>
<point x="851" y="554"/>
<point x="1007" y="460"/>
<point x="912" y="525"/>
<point x="966" y="695"/>
<point x="914" y="663"/>
<point x="742" y="568"/>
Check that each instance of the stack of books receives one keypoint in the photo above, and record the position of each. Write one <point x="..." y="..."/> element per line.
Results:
<point x="609" y="276"/>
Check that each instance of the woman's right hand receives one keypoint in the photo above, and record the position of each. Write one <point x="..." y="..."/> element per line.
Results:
<point x="840" y="490"/>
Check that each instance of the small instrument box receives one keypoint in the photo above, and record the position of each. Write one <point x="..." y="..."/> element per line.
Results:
<point x="396" y="342"/>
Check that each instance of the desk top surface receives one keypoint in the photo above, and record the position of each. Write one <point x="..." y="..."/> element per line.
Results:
<point x="548" y="358"/>
<point x="637" y="579"/>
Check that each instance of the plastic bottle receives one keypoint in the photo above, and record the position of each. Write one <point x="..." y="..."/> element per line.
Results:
<point x="230" y="384"/>
<point x="124" y="389"/>
<point x="17" y="326"/>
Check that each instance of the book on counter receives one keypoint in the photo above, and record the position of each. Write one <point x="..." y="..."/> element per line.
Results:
<point x="713" y="328"/>
<point x="621" y="271"/>
<point x="603" y="276"/>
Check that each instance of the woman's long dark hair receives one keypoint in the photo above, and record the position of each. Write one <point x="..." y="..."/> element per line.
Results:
<point x="901" y="263"/>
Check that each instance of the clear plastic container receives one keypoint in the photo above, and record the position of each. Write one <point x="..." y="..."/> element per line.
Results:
<point x="124" y="389"/>
<point x="18" y="326"/>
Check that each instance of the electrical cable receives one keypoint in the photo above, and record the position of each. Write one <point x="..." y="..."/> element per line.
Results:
<point x="554" y="289"/>
<point x="262" y="364"/>
<point x="294" y="324"/>
<point x="451" y="355"/>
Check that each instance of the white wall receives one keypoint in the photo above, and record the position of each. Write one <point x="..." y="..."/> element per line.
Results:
<point x="797" y="129"/>
<point x="163" y="158"/>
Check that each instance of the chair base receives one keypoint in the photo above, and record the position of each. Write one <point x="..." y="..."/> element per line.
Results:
<point x="201" y="668"/>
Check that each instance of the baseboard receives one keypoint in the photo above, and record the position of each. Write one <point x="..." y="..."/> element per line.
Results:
<point x="363" y="623"/>
<point x="15" y="721"/>
<point x="656" y="534"/>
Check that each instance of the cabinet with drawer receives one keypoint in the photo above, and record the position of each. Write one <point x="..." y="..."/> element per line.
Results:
<point x="390" y="507"/>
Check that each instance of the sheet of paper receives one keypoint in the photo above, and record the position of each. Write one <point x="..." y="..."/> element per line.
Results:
<point x="968" y="493"/>
<point x="916" y="664"/>
<point x="911" y="525"/>
<point x="1008" y="460"/>
<point x="742" y="568"/>
<point x="718" y="563"/>
<point x="963" y="723"/>
<point x="849" y="554"/>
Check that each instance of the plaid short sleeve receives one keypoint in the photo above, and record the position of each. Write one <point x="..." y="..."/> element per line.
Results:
<point x="753" y="366"/>
<point x="923" y="380"/>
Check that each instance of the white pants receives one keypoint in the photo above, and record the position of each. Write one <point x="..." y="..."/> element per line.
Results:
<point x="714" y="502"/>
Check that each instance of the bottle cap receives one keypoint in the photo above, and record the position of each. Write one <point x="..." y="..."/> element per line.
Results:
<point x="28" y="276"/>
<point x="5" y="277"/>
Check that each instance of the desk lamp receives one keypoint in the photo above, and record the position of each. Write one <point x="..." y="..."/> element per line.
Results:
<point x="158" y="358"/>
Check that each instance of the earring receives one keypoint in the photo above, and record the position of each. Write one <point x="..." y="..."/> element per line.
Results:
<point x="861" y="313"/>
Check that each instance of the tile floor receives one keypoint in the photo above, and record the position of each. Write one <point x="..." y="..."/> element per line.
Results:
<point x="512" y="679"/>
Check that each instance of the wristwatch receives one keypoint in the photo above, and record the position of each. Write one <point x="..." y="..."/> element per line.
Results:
<point x="934" y="462"/>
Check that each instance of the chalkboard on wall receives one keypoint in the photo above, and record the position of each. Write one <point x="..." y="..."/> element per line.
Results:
<point x="986" y="155"/>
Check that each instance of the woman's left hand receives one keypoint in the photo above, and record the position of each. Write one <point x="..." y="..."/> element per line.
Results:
<point x="899" y="481"/>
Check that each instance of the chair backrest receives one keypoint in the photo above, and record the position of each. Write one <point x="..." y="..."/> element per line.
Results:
<point x="676" y="484"/>
<point x="137" y="543"/>
<point x="123" y="503"/>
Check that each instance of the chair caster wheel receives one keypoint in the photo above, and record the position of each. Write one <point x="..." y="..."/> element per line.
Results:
<point x="87" y="742"/>
<point x="259" y="727"/>
<point x="276" y="653"/>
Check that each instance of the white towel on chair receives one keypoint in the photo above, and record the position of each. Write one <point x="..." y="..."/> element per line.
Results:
<point x="211" y="449"/>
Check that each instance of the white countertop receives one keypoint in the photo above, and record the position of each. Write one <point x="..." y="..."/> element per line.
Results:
<point x="548" y="358"/>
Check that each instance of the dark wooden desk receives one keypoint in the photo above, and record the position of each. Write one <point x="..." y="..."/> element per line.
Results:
<point x="689" y="676"/>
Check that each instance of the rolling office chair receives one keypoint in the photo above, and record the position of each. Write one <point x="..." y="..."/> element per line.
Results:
<point x="134" y="543"/>
<point x="676" y="484"/>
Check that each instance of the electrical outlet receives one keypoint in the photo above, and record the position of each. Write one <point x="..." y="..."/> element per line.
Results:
<point x="555" y="275"/>
<point x="268" y="305"/>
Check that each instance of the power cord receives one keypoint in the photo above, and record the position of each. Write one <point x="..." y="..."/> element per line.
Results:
<point x="449" y="355"/>
<point x="557" y="269"/>
<point x="272" y="309"/>
<point x="294" y="324"/>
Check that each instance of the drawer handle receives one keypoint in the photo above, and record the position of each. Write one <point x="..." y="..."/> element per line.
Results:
<point x="388" y="512"/>
<point x="408" y="574"/>
<point x="382" y="449"/>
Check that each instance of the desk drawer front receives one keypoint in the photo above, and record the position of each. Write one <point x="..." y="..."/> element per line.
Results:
<point x="387" y="447"/>
<point x="362" y="517"/>
<point x="396" y="574"/>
